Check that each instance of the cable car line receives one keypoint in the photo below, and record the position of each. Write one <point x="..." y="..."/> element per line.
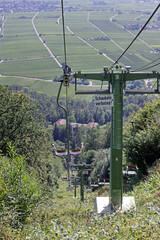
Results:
<point x="137" y="35"/>
<point x="143" y="68"/>
<point x="150" y="66"/>
<point x="64" y="38"/>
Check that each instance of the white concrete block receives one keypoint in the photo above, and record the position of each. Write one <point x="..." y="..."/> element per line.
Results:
<point x="102" y="204"/>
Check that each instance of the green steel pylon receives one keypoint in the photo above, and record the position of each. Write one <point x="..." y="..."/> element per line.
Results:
<point x="117" y="80"/>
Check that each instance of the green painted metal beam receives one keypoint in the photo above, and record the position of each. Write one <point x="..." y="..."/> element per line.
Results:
<point x="131" y="76"/>
<point x="142" y="91"/>
<point x="127" y="76"/>
<point x="92" y="92"/>
<point x="93" y="76"/>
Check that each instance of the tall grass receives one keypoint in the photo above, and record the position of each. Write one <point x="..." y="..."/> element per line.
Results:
<point x="64" y="217"/>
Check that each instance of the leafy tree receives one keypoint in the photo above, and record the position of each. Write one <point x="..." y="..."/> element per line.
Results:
<point x="143" y="137"/>
<point x="59" y="133"/>
<point x="100" y="165"/>
<point x="91" y="142"/>
<point x="129" y="109"/>
<point x="107" y="137"/>
<point x="87" y="157"/>
<point x="19" y="123"/>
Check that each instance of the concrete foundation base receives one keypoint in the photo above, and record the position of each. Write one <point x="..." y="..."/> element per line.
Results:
<point x="102" y="204"/>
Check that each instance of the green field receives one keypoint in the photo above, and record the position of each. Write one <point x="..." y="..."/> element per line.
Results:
<point x="24" y="55"/>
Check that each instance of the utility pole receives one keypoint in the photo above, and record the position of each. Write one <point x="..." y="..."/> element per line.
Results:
<point x="117" y="81"/>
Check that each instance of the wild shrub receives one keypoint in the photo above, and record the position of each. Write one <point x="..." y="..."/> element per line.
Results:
<point x="19" y="192"/>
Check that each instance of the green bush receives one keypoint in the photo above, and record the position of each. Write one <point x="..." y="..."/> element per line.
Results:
<point x="19" y="192"/>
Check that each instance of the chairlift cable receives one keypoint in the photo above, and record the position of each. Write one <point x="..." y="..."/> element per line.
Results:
<point x="142" y="69"/>
<point x="136" y="35"/>
<point x="64" y="35"/>
<point x="139" y="69"/>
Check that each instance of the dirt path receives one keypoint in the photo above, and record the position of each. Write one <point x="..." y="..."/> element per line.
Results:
<point x="44" y="44"/>
<point x="3" y="22"/>
<point x="88" y="44"/>
<point x="119" y="25"/>
<point x="104" y="34"/>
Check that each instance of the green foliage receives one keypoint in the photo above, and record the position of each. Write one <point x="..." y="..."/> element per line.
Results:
<point x="66" y="218"/>
<point x="19" y="192"/>
<point x="100" y="165"/>
<point x="21" y="124"/>
<point x="142" y="138"/>
<point x="91" y="140"/>
<point x="80" y="111"/>
<point x="59" y="133"/>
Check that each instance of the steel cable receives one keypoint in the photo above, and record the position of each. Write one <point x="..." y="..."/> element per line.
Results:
<point x="147" y="66"/>
<point x="136" y="35"/>
<point x="64" y="36"/>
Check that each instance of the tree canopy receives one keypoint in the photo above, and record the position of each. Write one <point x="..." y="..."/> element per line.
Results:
<point x="142" y="137"/>
<point x="22" y="125"/>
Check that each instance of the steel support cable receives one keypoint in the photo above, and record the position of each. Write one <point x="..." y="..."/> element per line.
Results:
<point x="64" y="36"/>
<point x="141" y="68"/>
<point x="65" y="69"/>
<point x="145" y="68"/>
<point x="136" y="35"/>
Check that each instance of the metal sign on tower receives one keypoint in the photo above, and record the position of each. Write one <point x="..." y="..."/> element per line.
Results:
<point x="103" y="100"/>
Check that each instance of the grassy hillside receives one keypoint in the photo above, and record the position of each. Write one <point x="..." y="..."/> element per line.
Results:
<point x="66" y="218"/>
